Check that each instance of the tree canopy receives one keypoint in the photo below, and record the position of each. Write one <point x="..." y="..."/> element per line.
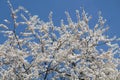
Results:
<point x="43" y="51"/>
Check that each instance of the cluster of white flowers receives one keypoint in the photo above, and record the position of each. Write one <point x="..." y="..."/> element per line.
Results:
<point x="47" y="52"/>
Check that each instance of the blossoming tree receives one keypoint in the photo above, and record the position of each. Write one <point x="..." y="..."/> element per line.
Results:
<point x="43" y="51"/>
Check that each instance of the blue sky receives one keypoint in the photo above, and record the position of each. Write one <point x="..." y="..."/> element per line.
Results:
<point x="110" y="10"/>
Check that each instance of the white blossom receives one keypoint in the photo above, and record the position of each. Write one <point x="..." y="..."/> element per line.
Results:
<point x="44" y="51"/>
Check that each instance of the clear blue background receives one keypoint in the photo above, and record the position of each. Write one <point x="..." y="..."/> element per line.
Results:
<point x="110" y="11"/>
